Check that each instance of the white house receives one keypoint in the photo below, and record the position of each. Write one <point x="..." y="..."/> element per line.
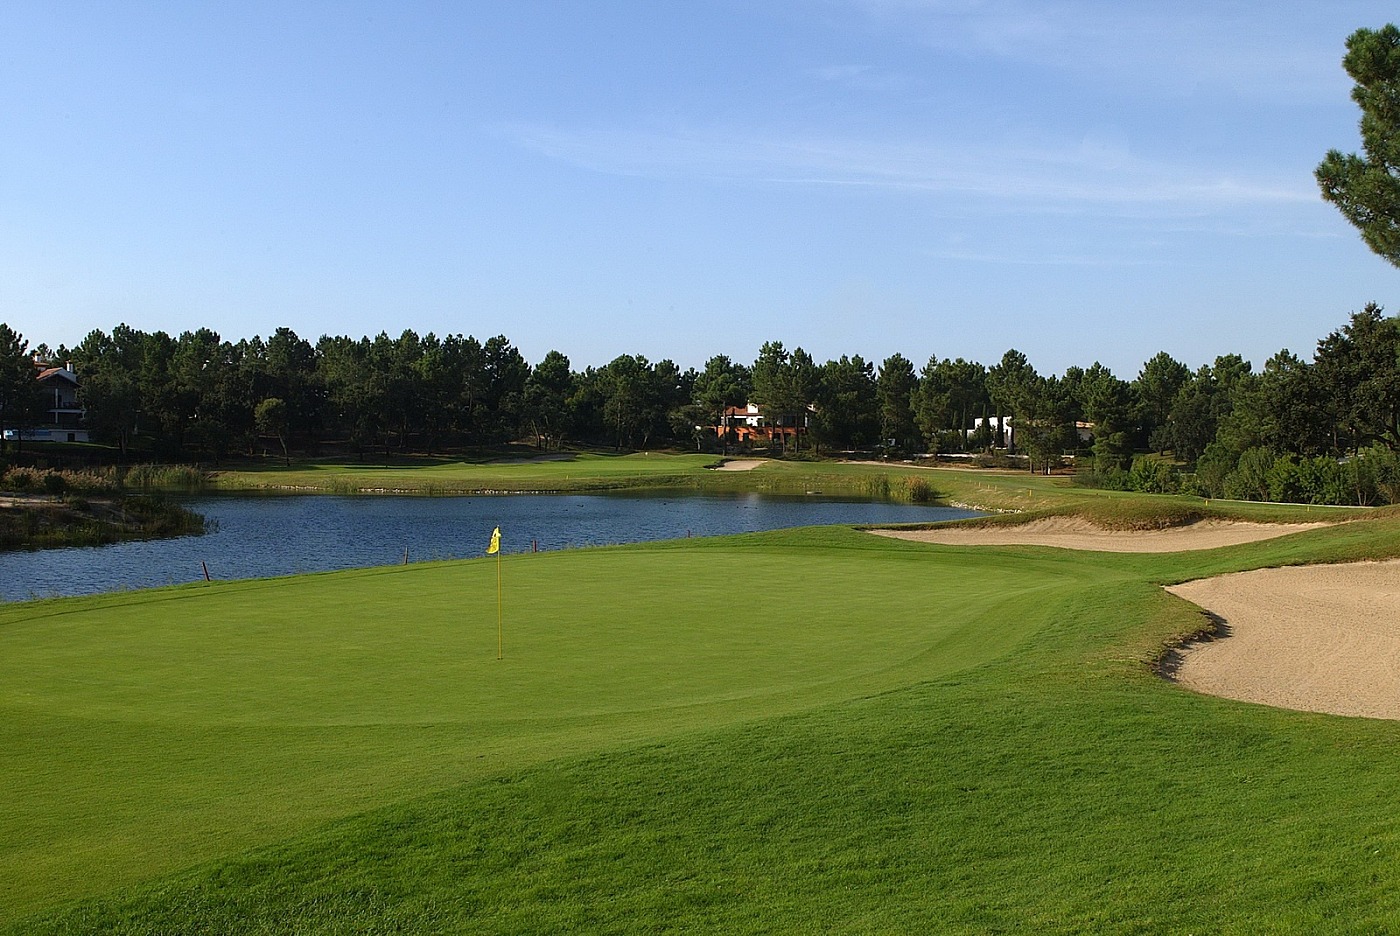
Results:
<point x="1084" y="430"/>
<point x="65" y="413"/>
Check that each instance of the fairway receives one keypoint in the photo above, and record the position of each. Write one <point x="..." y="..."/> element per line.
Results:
<point x="796" y="730"/>
<point x="573" y="471"/>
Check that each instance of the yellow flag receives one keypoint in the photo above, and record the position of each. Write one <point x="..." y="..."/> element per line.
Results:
<point x="495" y="546"/>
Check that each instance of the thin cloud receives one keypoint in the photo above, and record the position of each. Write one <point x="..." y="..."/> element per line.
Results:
<point x="1040" y="259"/>
<point x="1287" y="56"/>
<point x="841" y="72"/>
<point x="861" y="77"/>
<point x="1046" y="178"/>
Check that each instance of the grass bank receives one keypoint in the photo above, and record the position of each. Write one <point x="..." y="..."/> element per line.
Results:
<point x="584" y="472"/>
<point x="572" y="473"/>
<point x="44" y="523"/>
<point x="804" y="731"/>
<point x="42" y="509"/>
<point x="986" y="489"/>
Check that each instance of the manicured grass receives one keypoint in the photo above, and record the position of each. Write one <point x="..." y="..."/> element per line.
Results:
<point x="802" y="731"/>
<point x="573" y="472"/>
<point x="586" y="471"/>
<point x="202" y="719"/>
<point x="426" y="475"/>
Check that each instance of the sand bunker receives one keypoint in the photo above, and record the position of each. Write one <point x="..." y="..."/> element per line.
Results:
<point x="1077" y="533"/>
<point x="741" y="464"/>
<point x="1315" y="638"/>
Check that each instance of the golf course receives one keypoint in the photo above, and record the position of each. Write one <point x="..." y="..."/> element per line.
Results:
<point x="812" y="730"/>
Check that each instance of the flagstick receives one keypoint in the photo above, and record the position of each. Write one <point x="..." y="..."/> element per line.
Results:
<point x="500" y="643"/>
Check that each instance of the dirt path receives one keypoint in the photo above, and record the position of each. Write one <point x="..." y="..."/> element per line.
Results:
<point x="23" y="500"/>
<point x="1074" y="533"/>
<point x="1316" y="638"/>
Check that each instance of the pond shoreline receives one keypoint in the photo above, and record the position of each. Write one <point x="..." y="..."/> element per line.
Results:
<point x="268" y="535"/>
<point x="30" y="522"/>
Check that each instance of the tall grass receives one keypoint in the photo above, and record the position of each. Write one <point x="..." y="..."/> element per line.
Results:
<point x="77" y="522"/>
<point x="109" y="481"/>
<point x="874" y="483"/>
<point x="164" y="478"/>
<point x="90" y="482"/>
<point x="95" y="506"/>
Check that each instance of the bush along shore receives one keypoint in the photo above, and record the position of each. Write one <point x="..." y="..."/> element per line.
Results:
<point x="45" y="509"/>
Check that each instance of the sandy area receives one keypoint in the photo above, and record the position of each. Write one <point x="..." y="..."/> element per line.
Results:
<point x="741" y="464"/>
<point x="26" y="500"/>
<point x="1075" y="533"/>
<point x="1317" y="638"/>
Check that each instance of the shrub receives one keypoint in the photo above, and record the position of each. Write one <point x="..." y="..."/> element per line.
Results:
<point x="1383" y="467"/>
<point x="1148" y="476"/>
<point x="1250" y="478"/>
<point x="1114" y="479"/>
<point x="1212" y="469"/>
<point x="1324" y="480"/>
<point x="20" y="480"/>
<point x="950" y="440"/>
<point x="1283" y="480"/>
<point x="1154" y="476"/>
<point x="992" y="460"/>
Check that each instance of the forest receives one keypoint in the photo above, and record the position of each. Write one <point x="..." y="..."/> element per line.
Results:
<point x="1324" y="430"/>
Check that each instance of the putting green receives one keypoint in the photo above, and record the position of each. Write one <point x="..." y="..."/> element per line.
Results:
<point x="144" y="732"/>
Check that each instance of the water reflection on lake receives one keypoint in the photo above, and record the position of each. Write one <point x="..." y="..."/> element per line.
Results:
<point x="263" y="536"/>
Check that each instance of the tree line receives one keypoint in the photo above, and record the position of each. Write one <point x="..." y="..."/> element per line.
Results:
<point x="1325" y="430"/>
<point x="1236" y="431"/>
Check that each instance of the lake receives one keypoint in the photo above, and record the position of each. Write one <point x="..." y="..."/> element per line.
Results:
<point x="255" y="537"/>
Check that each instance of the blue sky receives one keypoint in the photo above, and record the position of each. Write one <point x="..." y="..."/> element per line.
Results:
<point x="1080" y="180"/>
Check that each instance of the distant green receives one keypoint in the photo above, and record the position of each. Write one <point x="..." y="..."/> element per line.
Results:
<point x="447" y="474"/>
<point x="803" y="731"/>
<point x="591" y="471"/>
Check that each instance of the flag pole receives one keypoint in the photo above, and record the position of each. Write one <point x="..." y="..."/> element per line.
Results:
<point x="495" y="547"/>
<point x="500" y="641"/>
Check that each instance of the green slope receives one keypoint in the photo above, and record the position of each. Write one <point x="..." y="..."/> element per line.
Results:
<point x="810" y="731"/>
<point x="142" y="732"/>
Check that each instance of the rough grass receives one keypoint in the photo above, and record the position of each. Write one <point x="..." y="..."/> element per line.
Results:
<point x="804" y="731"/>
<point x="1158" y="512"/>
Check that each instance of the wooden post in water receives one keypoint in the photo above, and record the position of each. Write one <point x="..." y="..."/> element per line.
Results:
<point x="205" y="566"/>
